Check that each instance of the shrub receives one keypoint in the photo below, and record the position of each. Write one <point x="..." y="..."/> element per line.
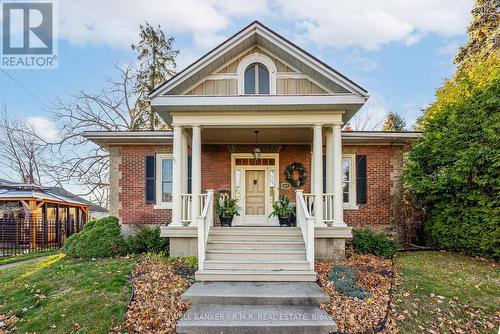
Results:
<point x="148" y="240"/>
<point x="455" y="169"/>
<point x="344" y="281"/>
<point x="98" y="238"/>
<point x="366" y="241"/>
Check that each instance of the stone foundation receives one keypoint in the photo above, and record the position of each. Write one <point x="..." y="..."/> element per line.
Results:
<point x="132" y="229"/>
<point x="183" y="247"/>
<point x="325" y="249"/>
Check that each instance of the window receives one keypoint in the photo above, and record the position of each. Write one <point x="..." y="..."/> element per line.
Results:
<point x="256" y="75"/>
<point x="166" y="180"/>
<point x="256" y="79"/>
<point x="348" y="179"/>
<point x="164" y="167"/>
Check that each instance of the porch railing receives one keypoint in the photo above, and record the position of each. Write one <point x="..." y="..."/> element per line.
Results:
<point x="204" y="221"/>
<point x="187" y="204"/>
<point x="305" y="220"/>
<point x="328" y="209"/>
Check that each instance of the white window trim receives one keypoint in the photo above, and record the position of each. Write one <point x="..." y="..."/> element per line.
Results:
<point x="256" y="58"/>
<point x="351" y="205"/>
<point x="159" y="204"/>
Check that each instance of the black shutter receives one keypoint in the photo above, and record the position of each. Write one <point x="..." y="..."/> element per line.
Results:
<point x="150" y="178"/>
<point x="361" y="182"/>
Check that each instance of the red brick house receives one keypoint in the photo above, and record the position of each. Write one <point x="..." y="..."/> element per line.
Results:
<point x="249" y="119"/>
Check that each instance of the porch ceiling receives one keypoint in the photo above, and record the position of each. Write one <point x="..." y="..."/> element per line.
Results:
<point x="266" y="136"/>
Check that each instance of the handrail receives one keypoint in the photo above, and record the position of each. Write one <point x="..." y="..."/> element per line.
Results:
<point x="204" y="222"/>
<point x="305" y="220"/>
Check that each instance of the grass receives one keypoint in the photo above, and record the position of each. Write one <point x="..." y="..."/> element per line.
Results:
<point x="62" y="295"/>
<point x="445" y="291"/>
<point x="12" y="259"/>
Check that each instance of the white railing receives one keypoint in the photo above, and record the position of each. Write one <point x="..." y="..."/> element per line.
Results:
<point x="204" y="221"/>
<point x="309" y="201"/>
<point x="328" y="204"/>
<point x="186" y="209"/>
<point x="305" y="220"/>
<point x="203" y="200"/>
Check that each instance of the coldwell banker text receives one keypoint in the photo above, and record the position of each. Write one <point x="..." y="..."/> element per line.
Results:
<point x="29" y="38"/>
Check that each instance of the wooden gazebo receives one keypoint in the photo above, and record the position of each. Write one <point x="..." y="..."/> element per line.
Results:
<point x="33" y="217"/>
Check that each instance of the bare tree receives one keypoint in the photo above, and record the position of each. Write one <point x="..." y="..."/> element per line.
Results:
<point x="112" y="109"/>
<point x="21" y="150"/>
<point x="123" y="106"/>
<point x="365" y="122"/>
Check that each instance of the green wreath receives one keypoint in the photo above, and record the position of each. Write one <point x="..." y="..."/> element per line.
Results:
<point x="291" y="169"/>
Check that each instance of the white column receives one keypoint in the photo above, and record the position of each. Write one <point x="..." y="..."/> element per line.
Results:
<point x="184" y="162"/>
<point x="329" y="161"/>
<point x="177" y="177"/>
<point x="196" y="170"/>
<point x="338" y="210"/>
<point x="318" y="174"/>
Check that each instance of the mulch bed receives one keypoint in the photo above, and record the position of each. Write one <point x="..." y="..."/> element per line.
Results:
<point x="352" y="315"/>
<point x="157" y="305"/>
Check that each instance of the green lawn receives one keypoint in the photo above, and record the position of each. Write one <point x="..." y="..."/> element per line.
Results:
<point x="62" y="295"/>
<point x="447" y="293"/>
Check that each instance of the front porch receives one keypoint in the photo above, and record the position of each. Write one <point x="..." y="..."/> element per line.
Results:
<point x="255" y="248"/>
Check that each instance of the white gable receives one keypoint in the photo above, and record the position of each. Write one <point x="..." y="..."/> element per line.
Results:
<point x="298" y="72"/>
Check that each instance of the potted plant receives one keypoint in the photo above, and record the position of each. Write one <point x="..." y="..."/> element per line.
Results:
<point x="284" y="210"/>
<point x="226" y="208"/>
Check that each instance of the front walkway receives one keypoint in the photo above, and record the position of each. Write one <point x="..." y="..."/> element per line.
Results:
<point x="13" y="264"/>
<point x="255" y="307"/>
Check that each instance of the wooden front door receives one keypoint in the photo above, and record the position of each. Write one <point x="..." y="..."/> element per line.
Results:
<point x="255" y="193"/>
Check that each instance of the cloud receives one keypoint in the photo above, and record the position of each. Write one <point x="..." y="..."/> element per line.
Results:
<point x="44" y="128"/>
<point x="371" y="24"/>
<point x="362" y="63"/>
<point x="114" y="22"/>
<point x="449" y="49"/>
<point x="366" y="24"/>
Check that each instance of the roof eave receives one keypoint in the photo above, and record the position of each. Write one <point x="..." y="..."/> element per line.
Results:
<point x="106" y="138"/>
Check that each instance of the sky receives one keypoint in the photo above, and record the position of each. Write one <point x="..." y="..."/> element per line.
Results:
<point x="399" y="50"/>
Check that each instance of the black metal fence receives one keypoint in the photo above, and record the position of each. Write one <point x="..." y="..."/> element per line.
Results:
<point x="29" y="235"/>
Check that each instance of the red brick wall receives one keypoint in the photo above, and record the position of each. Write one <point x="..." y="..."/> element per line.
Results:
<point x="379" y="209"/>
<point x="290" y="154"/>
<point x="134" y="209"/>
<point x="215" y="167"/>
<point x="382" y="170"/>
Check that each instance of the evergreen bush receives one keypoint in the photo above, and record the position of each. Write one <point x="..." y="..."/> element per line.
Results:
<point x="365" y="241"/>
<point x="98" y="238"/>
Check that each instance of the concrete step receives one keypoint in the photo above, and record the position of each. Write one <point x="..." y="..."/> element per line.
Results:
<point x="256" y="230"/>
<point x="257" y="265"/>
<point x="256" y="275"/>
<point x="262" y="319"/>
<point x="250" y="244"/>
<point x="256" y="254"/>
<point x="256" y="293"/>
<point x="215" y="236"/>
